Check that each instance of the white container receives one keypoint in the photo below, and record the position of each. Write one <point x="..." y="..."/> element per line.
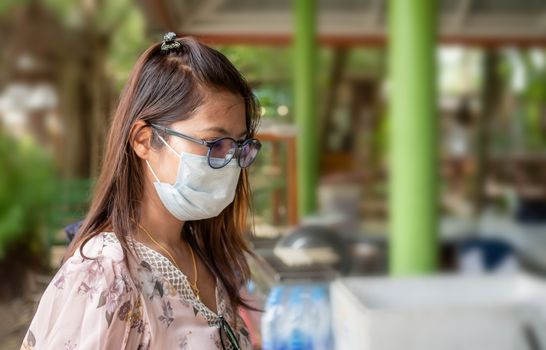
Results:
<point x="439" y="313"/>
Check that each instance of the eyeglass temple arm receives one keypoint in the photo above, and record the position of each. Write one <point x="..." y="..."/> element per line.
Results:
<point x="176" y="133"/>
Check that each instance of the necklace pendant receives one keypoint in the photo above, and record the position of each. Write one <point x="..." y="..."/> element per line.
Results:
<point x="195" y="292"/>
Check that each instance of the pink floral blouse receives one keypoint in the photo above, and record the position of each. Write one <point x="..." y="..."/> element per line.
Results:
<point x="93" y="304"/>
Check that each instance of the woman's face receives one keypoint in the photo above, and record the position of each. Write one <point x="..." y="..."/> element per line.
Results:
<point x="222" y="114"/>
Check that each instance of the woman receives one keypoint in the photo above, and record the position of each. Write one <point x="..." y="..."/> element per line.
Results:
<point x="160" y="258"/>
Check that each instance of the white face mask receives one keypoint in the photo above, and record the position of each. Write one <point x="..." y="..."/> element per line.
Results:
<point x="200" y="192"/>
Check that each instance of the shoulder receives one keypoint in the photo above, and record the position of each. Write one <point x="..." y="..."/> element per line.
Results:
<point x="104" y="244"/>
<point x="84" y="297"/>
<point x="97" y="265"/>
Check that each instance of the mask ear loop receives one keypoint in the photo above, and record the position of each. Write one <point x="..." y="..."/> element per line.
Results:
<point x="172" y="149"/>
<point x="166" y="144"/>
<point x="152" y="170"/>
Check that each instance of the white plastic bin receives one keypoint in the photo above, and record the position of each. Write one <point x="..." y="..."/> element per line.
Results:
<point x="439" y="313"/>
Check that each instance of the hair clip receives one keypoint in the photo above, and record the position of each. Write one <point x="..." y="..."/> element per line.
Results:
<point x="169" y="42"/>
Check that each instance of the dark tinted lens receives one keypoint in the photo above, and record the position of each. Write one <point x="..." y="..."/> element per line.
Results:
<point x="221" y="152"/>
<point x="249" y="151"/>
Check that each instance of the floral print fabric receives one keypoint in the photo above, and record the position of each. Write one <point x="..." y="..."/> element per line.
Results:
<point x="93" y="304"/>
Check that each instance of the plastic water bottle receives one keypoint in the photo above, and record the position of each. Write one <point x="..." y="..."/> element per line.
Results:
<point x="299" y="321"/>
<point x="269" y="323"/>
<point x="297" y="318"/>
<point x="320" y="313"/>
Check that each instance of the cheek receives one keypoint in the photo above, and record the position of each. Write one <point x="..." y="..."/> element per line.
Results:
<point x="168" y="168"/>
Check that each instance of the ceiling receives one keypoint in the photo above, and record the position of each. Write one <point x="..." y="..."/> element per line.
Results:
<point x="346" y="22"/>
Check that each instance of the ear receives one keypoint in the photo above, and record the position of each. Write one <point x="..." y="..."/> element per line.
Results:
<point x="141" y="138"/>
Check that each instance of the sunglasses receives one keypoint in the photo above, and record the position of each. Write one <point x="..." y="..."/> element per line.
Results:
<point x="223" y="150"/>
<point x="227" y="335"/>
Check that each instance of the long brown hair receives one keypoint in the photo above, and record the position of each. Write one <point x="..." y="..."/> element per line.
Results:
<point x="165" y="87"/>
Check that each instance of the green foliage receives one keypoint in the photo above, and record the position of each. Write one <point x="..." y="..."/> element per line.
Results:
<point x="121" y="20"/>
<point x="26" y="183"/>
<point x="260" y="63"/>
<point x="534" y="97"/>
<point x="369" y="61"/>
<point x="268" y="70"/>
<point x="7" y="5"/>
<point x="128" y="41"/>
<point x="531" y="95"/>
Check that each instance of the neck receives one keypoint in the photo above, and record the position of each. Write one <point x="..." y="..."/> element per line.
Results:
<point x="162" y="226"/>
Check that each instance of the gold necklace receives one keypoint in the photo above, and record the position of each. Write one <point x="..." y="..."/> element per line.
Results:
<point x="192" y="285"/>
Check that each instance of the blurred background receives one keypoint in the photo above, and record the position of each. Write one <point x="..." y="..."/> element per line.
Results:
<point x="403" y="166"/>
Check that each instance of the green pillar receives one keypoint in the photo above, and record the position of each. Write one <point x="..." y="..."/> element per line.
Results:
<point x="305" y="100"/>
<point x="413" y="137"/>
